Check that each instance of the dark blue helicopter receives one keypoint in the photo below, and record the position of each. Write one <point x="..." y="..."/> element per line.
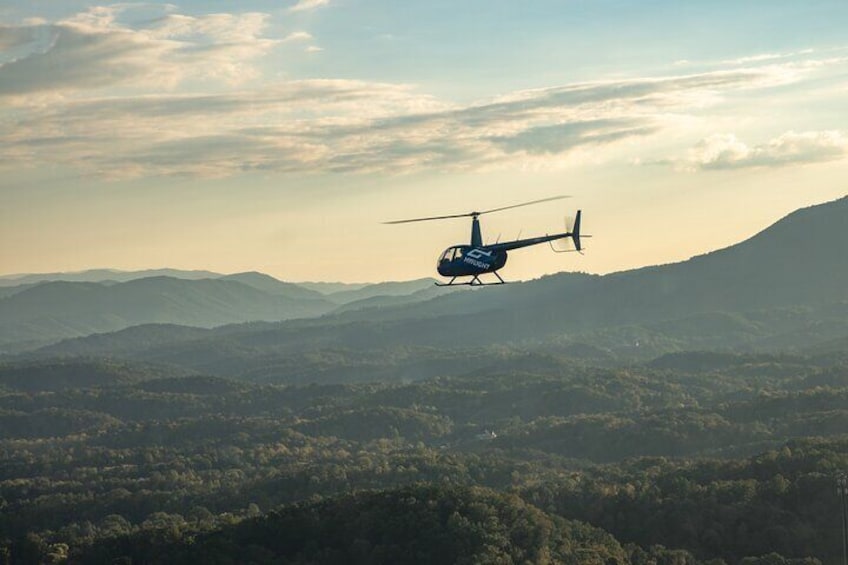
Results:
<point x="477" y="259"/>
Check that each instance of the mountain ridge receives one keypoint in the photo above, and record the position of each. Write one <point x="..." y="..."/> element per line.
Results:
<point x="34" y="314"/>
<point x="730" y="291"/>
<point x="778" y="268"/>
<point x="59" y="309"/>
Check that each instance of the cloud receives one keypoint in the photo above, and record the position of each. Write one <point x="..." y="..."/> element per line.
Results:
<point x="761" y="57"/>
<point x="209" y="135"/>
<point x="353" y="126"/>
<point x="558" y="138"/>
<point x="121" y="107"/>
<point x="298" y="36"/>
<point x="725" y="151"/>
<point x="305" y="5"/>
<point x="97" y="49"/>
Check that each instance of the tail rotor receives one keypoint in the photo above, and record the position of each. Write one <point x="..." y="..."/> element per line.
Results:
<point x="571" y="239"/>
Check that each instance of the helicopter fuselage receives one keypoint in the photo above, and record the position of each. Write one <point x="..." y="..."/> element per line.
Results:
<point x="469" y="260"/>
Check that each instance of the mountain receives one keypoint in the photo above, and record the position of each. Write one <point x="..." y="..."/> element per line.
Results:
<point x="798" y="261"/>
<point x="54" y="310"/>
<point x="392" y="300"/>
<point x="67" y="374"/>
<point x="786" y="285"/>
<point x="10" y="290"/>
<point x="269" y="284"/>
<point x="127" y="342"/>
<point x="100" y="275"/>
<point x="391" y="288"/>
<point x="330" y="287"/>
<point x="41" y="308"/>
<point x="413" y="524"/>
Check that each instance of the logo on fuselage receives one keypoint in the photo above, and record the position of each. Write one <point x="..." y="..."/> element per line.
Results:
<point x="478" y="254"/>
<point x="474" y="257"/>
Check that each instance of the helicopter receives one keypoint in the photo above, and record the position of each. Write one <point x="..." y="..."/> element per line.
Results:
<point x="478" y="258"/>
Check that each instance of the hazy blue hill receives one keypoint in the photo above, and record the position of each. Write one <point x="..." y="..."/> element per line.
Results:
<point x="790" y="329"/>
<point x="55" y="310"/>
<point x="785" y="287"/>
<point x="392" y="288"/>
<point x="330" y="287"/>
<point x="12" y="284"/>
<point x="799" y="260"/>
<point x="391" y="300"/>
<point x="33" y="314"/>
<point x="124" y="343"/>
<point x="546" y="293"/>
<point x="10" y="290"/>
<point x="783" y="282"/>
<point x="269" y="284"/>
<point x="304" y="351"/>
<point x="63" y="374"/>
<point x="98" y="275"/>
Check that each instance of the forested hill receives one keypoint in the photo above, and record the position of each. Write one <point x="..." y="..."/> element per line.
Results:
<point x="41" y="311"/>
<point x="104" y="461"/>
<point x="788" y="285"/>
<point x="415" y="524"/>
<point x="800" y="260"/>
<point x="52" y="310"/>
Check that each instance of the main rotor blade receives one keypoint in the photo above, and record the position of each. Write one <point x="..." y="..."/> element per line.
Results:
<point x="524" y="204"/>
<point x="474" y="214"/>
<point x="430" y="218"/>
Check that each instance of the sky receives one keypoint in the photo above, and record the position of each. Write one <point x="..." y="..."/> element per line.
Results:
<point x="278" y="136"/>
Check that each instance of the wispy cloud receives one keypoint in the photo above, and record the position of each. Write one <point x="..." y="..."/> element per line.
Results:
<point x="353" y="126"/>
<point x="304" y="5"/>
<point x="725" y="151"/>
<point x="96" y="49"/>
<point x="558" y="138"/>
<point x="762" y="57"/>
<point x="322" y="125"/>
<point x="298" y="36"/>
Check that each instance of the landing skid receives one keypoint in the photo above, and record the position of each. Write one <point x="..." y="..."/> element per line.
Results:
<point x="475" y="281"/>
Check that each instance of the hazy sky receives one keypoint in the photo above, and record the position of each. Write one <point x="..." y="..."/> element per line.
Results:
<point x="276" y="136"/>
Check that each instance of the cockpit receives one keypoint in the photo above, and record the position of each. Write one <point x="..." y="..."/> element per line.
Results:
<point x="452" y="254"/>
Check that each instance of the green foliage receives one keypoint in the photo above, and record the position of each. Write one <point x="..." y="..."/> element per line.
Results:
<point x="76" y="373"/>
<point x="781" y="501"/>
<point x="414" y="524"/>
<point x="129" y="462"/>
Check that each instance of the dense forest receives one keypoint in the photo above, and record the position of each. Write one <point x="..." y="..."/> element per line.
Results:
<point x="693" y="412"/>
<point x="691" y="458"/>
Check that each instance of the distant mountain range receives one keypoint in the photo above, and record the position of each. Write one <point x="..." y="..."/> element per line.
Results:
<point x="798" y="263"/>
<point x="101" y="275"/>
<point x="785" y="287"/>
<point x="39" y="311"/>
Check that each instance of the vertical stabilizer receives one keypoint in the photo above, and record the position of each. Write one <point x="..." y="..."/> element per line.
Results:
<point x="575" y="233"/>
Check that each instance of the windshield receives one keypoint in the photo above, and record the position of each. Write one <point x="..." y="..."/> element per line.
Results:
<point x="451" y="254"/>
